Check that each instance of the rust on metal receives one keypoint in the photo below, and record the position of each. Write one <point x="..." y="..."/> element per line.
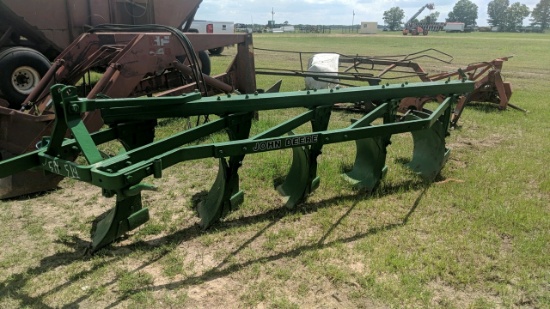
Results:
<point x="489" y="84"/>
<point x="135" y="64"/>
<point x="51" y="33"/>
<point x="489" y="87"/>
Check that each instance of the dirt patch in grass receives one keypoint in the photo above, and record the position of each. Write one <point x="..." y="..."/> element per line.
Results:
<point x="460" y="142"/>
<point x="444" y="295"/>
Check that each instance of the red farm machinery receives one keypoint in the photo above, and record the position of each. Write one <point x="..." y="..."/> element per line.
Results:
<point x="131" y="55"/>
<point x="413" y="27"/>
<point x="353" y="70"/>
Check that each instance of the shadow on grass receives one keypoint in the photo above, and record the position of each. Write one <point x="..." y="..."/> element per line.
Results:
<point x="14" y="287"/>
<point x="274" y="216"/>
<point x="31" y="196"/>
<point x="485" y="107"/>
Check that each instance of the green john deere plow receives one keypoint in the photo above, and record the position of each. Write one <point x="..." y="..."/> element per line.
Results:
<point x="132" y="122"/>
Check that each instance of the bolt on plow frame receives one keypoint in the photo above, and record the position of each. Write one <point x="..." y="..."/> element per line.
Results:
<point x="132" y="122"/>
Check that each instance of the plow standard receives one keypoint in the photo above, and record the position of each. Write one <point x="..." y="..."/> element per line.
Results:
<point x="132" y="122"/>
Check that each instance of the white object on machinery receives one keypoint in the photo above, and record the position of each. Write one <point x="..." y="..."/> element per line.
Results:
<point x="323" y="63"/>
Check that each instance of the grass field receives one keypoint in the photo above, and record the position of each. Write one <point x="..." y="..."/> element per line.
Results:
<point x="479" y="237"/>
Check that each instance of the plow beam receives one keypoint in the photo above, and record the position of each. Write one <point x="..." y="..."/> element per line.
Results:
<point x="122" y="174"/>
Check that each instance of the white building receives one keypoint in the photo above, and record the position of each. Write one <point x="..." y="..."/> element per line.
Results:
<point x="368" y="27"/>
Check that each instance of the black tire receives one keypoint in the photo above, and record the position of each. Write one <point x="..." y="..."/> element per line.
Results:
<point x="206" y="67"/>
<point x="20" y="71"/>
<point x="216" y="51"/>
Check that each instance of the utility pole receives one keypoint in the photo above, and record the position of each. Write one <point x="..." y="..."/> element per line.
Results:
<point x="352" y="20"/>
<point x="272" y="19"/>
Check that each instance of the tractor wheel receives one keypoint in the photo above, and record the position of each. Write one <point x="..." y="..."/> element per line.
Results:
<point x="20" y="71"/>
<point x="205" y="62"/>
<point x="216" y="51"/>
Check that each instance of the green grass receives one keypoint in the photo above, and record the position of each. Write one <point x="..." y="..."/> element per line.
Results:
<point x="477" y="238"/>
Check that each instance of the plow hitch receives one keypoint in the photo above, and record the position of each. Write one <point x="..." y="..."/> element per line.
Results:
<point x="131" y="122"/>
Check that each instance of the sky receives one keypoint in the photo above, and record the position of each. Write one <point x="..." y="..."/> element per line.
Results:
<point x="328" y="12"/>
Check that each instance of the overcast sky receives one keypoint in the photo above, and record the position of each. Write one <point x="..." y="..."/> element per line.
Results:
<point x="328" y="12"/>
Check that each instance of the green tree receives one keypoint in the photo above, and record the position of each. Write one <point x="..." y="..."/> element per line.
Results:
<point x="464" y="11"/>
<point x="541" y="15"/>
<point x="515" y="15"/>
<point x="394" y="17"/>
<point x="496" y="10"/>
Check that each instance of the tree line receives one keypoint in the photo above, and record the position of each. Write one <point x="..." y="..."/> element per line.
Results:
<point x="502" y="15"/>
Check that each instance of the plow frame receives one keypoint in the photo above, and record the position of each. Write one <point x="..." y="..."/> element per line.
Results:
<point x="132" y="122"/>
